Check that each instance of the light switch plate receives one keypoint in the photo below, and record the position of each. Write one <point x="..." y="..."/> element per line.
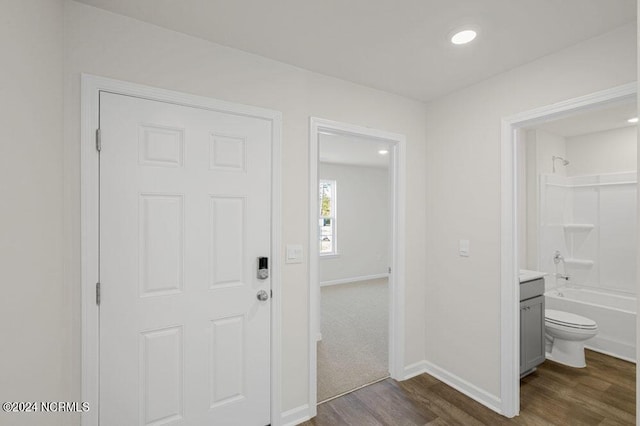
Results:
<point x="464" y="248"/>
<point x="295" y="253"/>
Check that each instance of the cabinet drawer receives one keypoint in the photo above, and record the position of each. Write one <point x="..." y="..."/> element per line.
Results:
<point x="531" y="289"/>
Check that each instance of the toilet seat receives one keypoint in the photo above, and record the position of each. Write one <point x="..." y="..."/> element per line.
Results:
<point x="569" y="320"/>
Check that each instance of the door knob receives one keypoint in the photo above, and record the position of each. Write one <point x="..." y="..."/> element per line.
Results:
<point x="262" y="295"/>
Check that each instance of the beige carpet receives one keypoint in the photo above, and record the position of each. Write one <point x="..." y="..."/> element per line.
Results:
<point x="354" y="346"/>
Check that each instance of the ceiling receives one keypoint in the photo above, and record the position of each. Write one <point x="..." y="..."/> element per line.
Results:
<point x="400" y="46"/>
<point x="352" y="150"/>
<point x="592" y="121"/>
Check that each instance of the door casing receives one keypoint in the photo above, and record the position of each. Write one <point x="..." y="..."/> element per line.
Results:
<point x="397" y="172"/>
<point x="91" y="86"/>
<point x="509" y="290"/>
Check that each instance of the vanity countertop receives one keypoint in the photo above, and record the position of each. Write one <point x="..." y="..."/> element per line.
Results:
<point x="527" y="275"/>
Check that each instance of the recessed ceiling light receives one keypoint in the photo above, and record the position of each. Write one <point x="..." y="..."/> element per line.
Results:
<point x="463" y="37"/>
<point x="633" y="120"/>
<point x="383" y="152"/>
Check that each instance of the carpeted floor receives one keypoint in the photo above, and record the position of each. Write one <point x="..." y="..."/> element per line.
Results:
<point x="354" y="349"/>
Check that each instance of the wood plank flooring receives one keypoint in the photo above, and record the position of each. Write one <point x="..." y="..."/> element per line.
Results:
<point x="601" y="394"/>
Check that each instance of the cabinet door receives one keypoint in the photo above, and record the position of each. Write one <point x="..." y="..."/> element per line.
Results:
<point x="532" y="333"/>
<point x="522" y="339"/>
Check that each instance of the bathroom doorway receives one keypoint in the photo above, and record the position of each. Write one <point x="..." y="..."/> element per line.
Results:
<point x="579" y="224"/>
<point x="356" y="265"/>
<point x="574" y="211"/>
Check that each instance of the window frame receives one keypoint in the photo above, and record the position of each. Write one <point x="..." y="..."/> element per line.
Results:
<point x="333" y="217"/>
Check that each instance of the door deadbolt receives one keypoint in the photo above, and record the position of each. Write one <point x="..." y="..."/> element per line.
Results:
<point x="263" y="268"/>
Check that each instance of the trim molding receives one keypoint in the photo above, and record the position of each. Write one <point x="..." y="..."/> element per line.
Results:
<point x="415" y="369"/>
<point x="622" y="350"/>
<point x="295" y="416"/>
<point x="509" y="291"/>
<point x="483" y="397"/>
<point x="91" y="86"/>
<point x="472" y="391"/>
<point x="397" y="228"/>
<point x="352" y="279"/>
<point x="480" y="395"/>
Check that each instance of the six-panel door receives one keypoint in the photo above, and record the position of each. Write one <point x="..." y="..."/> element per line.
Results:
<point x="185" y="210"/>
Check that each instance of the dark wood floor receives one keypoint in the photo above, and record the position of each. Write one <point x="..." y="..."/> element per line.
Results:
<point x="601" y="394"/>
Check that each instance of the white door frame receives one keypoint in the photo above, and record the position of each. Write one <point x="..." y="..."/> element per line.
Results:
<point x="397" y="171"/>
<point x="510" y="293"/>
<point x="90" y="120"/>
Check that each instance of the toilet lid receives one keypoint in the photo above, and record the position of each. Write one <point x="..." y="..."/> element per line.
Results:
<point x="569" y="319"/>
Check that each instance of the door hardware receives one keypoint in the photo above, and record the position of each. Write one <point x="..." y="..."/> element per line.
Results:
<point x="263" y="268"/>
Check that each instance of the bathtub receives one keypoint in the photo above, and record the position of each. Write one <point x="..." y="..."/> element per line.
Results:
<point x="614" y="313"/>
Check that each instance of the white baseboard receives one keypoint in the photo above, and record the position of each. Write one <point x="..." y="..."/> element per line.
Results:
<point x="414" y="370"/>
<point x="612" y="348"/>
<point x="353" y="279"/>
<point x="472" y="391"/>
<point x="295" y="416"/>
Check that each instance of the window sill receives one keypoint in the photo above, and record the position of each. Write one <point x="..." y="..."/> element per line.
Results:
<point x="330" y="255"/>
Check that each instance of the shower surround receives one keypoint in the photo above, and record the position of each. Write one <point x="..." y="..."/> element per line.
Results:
<point x="591" y="221"/>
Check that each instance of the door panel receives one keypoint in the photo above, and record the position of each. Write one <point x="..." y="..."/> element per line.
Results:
<point x="161" y="375"/>
<point x="185" y="208"/>
<point x="161" y="244"/>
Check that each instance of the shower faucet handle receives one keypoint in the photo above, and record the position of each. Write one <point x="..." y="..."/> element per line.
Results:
<point x="558" y="257"/>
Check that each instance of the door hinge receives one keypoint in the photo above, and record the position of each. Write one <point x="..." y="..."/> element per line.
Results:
<point x="98" y="140"/>
<point x="98" y="293"/>
<point x="389" y="269"/>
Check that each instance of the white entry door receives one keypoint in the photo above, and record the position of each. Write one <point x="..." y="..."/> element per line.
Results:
<point x="185" y="212"/>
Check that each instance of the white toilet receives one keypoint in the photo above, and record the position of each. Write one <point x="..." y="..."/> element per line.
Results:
<point x="565" y="337"/>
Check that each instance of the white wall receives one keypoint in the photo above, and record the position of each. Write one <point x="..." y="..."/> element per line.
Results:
<point x="464" y="194"/>
<point x="609" y="151"/>
<point x="461" y="181"/>
<point x="34" y="340"/>
<point x="102" y="43"/>
<point x="363" y="222"/>
<point x="549" y="145"/>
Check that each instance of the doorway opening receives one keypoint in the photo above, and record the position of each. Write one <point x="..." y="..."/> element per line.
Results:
<point x="353" y="266"/>
<point x="556" y="229"/>
<point x="577" y="197"/>
<point x="356" y="258"/>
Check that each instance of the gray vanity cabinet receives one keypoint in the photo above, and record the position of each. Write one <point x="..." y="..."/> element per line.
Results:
<point x="532" y="347"/>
